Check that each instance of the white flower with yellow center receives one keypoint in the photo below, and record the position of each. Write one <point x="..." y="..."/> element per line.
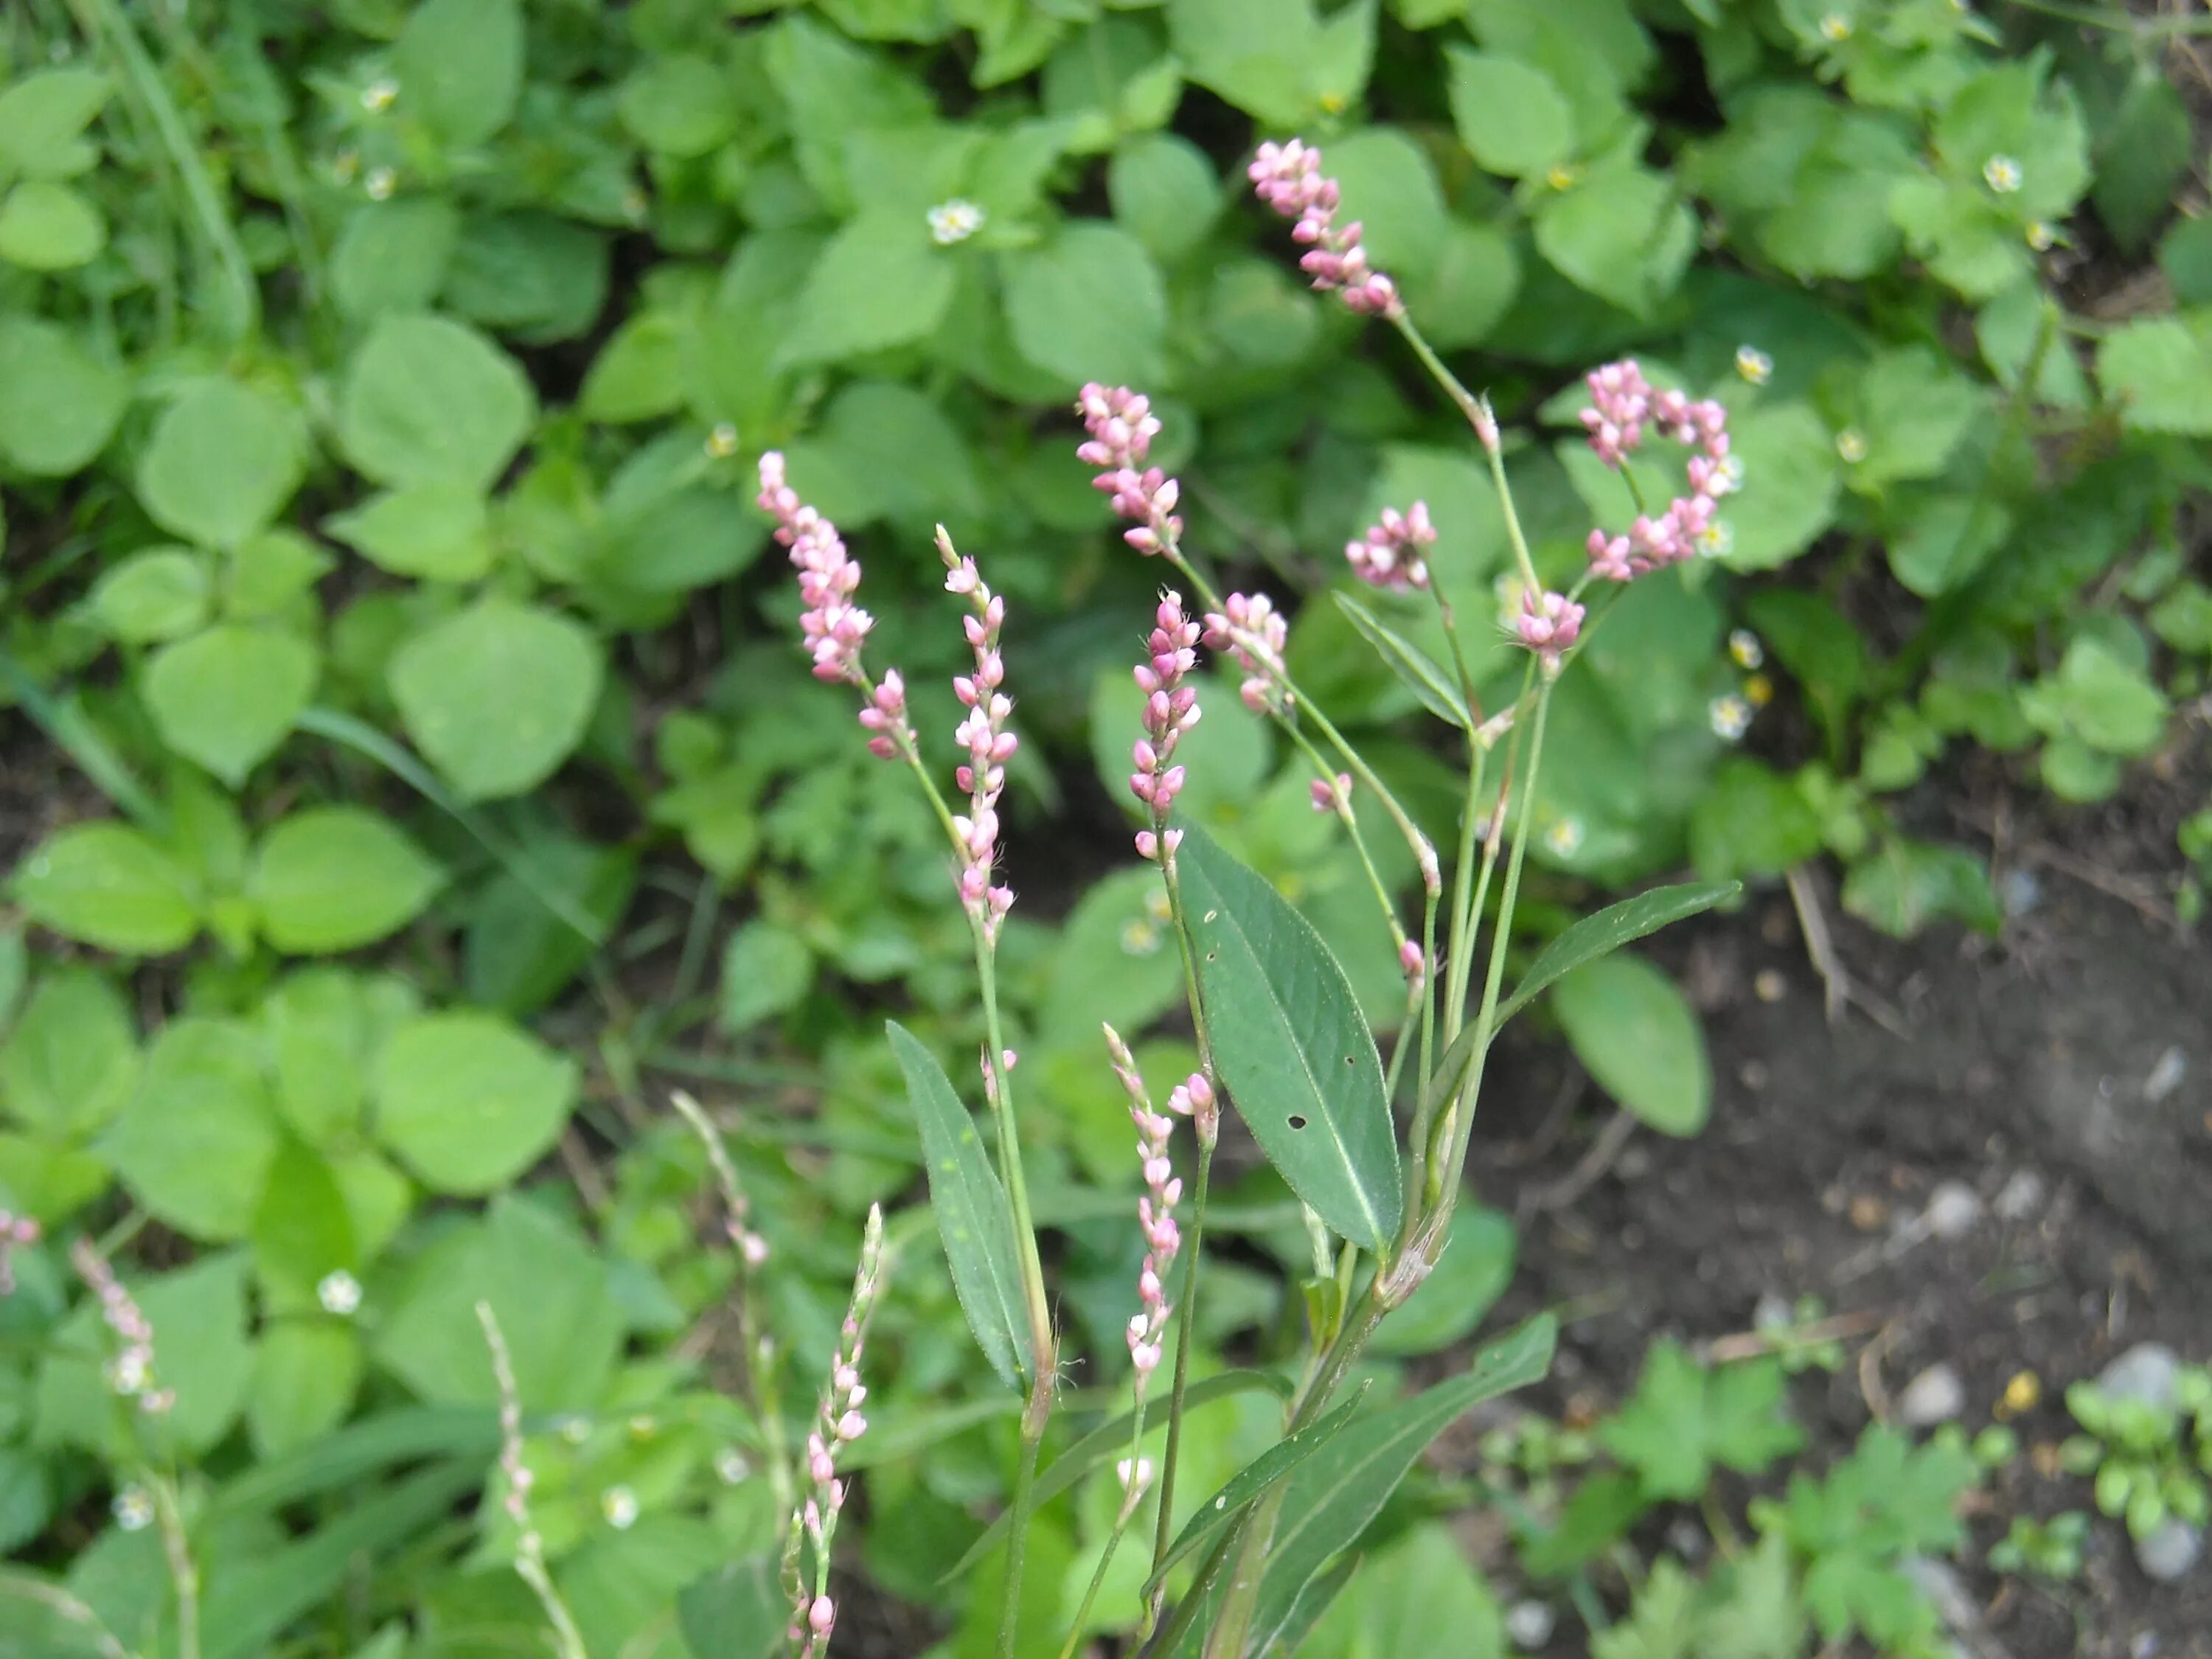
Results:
<point x="1755" y="365"/>
<point x="1730" y="716"/>
<point x="1744" y="650"/>
<point x="1836" y="28"/>
<point x="619" y="1505"/>
<point x="2002" y="174"/>
<point x="133" y="1509"/>
<point x="722" y="442"/>
<point x="340" y="1293"/>
<point x="1717" y="539"/>
<point x="1852" y="445"/>
<point x="378" y="95"/>
<point x="1565" y="836"/>
<point x="955" y="220"/>
<point x="380" y="183"/>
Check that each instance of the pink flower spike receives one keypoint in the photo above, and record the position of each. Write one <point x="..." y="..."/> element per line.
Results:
<point x="1389" y="556"/>
<point x="1255" y="633"/>
<point x="1288" y="177"/>
<point x="982" y="733"/>
<point x="1622" y="403"/>
<point x="1170" y="710"/>
<point x="1548" y="625"/>
<point x="1122" y="426"/>
<point x="1155" y="1217"/>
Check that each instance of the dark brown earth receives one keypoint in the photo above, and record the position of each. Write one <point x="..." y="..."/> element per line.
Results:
<point x="1958" y="1057"/>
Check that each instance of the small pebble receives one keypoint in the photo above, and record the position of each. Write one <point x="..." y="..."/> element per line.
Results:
<point x="1868" y="1212"/>
<point x="2020" y="892"/>
<point x="2021" y="1197"/>
<point x="1936" y="1395"/>
<point x="1775" y="1312"/>
<point x="1768" y="985"/>
<point x="2171" y="1551"/>
<point x="1952" y="1209"/>
<point x="1528" y="1625"/>
<point x="2144" y="1646"/>
<point x="1954" y="1604"/>
<point x="2166" y="1076"/>
<point x="1686" y="1538"/>
<point x="2145" y="1372"/>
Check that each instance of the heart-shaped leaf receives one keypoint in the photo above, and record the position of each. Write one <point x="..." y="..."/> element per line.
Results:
<point x="1293" y="1046"/>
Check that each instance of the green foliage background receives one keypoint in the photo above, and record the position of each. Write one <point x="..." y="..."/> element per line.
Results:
<point x="415" y="773"/>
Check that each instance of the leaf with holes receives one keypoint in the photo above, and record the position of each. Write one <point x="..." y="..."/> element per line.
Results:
<point x="1408" y="662"/>
<point x="973" y="1217"/>
<point x="1611" y="928"/>
<point x="1293" y="1046"/>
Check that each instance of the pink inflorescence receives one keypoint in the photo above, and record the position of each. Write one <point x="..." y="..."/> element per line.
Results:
<point x="1170" y="710"/>
<point x="1549" y="624"/>
<point x="1156" y="1209"/>
<point x="839" y="1423"/>
<point x="983" y="731"/>
<point x="1122" y="426"/>
<point x="16" y="1232"/>
<point x="1622" y="403"/>
<point x="1389" y="554"/>
<point x="1288" y="177"/>
<point x="1249" y="629"/>
<point x="131" y="1371"/>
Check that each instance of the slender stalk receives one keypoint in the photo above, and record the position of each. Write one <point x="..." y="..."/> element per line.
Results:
<point x="1033" y="1424"/>
<point x="1350" y="822"/>
<point x="184" y="1571"/>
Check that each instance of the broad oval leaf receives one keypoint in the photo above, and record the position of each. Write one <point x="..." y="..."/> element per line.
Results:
<point x="1272" y="1465"/>
<point x="1635" y="1032"/>
<point x="973" y="1218"/>
<point x="1611" y="928"/>
<point x="1340" y="1489"/>
<point x="1293" y="1046"/>
<point x="1412" y="665"/>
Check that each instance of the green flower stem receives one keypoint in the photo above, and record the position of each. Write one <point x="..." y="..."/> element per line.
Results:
<point x="1039" y="1412"/>
<point x="1477" y="412"/>
<point x="184" y="1571"/>
<point x="1462" y="1124"/>
<point x="1209" y="1129"/>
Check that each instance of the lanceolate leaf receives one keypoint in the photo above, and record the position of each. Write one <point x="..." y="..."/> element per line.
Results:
<point x="973" y="1217"/>
<point x="1408" y="662"/>
<point x="1248" y="1483"/>
<point x="1611" y="928"/>
<point x="1340" y="1489"/>
<point x="1293" y="1046"/>
<point x="1111" y="1440"/>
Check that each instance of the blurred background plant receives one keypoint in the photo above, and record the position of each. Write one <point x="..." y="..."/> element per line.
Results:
<point x="409" y="778"/>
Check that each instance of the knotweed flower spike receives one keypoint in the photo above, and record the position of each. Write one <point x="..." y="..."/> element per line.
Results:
<point x="1249" y="629"/>
<point x="1155" y="1210"/>
<point x="16" y="1232"/>
<point x="983" y="731"/>
<point x="839" y="1424"/>
<point x="1549" y="624"/>
<point x="1122" y="426"/>
<point x="1170" y="710"/>
<point x="131" y="1372"/>
<point x="1288" y="177"/>
<point x="1389" y="556"/>
<point x="1622" y="403"/>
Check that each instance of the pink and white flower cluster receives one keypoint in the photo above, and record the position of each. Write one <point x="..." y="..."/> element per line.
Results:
<point x="1622" y="403"/>
<point x="983" y="731"/>
<point x="1122" y="426"/>
<point x="1549" y="622"/>
<point x="1156" y="1209"/>
<point x="1170" y="710"/>
<point x="1288" y="177"/>
<point x="131" y="1371"/>
<point x="1389" y="555"/>
<point x="814" y="1614"/>
<point x="1249" y="629"/>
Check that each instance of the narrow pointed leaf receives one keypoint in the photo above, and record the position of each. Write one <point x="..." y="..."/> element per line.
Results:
<point x="1293" y="1046"/>
<point x="1611" y="928"/>
<point x="1335" y="1493"/>
<point x="1287" y="1633"/>
<point x="1112" y="1440"/>
<point x="972" y="1216"/>
<point x="1420" y="672"/>
<point x="1248" y="1483"/>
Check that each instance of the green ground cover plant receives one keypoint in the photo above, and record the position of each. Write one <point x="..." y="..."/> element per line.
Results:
<point x="420" y="781"/>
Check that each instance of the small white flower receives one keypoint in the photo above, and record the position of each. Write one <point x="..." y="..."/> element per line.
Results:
<point x="1727" y="478"/>
<point x="1745" y="650"/>
<point x="619" y="1505"/>
<point x="576" y="1429"/>
<point x="722" y="442"/>
<point x="731" y="1466"/>
<point x="2040" y="236"/>
<point x="340" y="1293"/>
<point x="1755" y="365"/>
<point x="1836" y="28"/>
<point x="1139" y="939"/>
<point x="127" y="1373"/>
<point x="133" y="1509"/>
<point x="2002" y="174"/>
<point x="1730" y="716"/>
<point x="1717" y="539"/>
<point x="1564" y="837"/>
<point x="1135" y="1473"/>
<point x="1852" y="445"/>
<point x="377" y="96"/>
<point x="380" y="183"/>
<point x="955" y="220"/>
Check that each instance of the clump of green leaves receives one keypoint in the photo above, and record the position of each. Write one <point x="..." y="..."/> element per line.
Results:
<point x="2149" y="1459"/>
